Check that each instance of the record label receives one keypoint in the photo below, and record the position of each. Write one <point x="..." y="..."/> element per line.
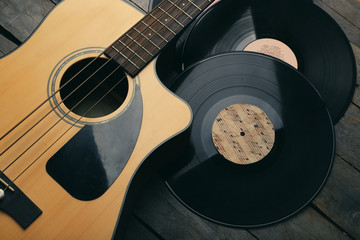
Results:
<point x="243" y="133"/>
<point x="296" y="32"/>
<point x="297" y="129"/>
<point x="274" y="48"/>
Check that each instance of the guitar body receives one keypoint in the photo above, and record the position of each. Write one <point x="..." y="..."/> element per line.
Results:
<point x="75" y="30"/>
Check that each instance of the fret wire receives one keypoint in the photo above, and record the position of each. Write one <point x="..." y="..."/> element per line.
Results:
<point x="194" y="5"/>
<point x="148" y="26"/>
<point x="133" y="39"/>
<point x="139" y="45"/>
<point x="181" y="12"/>
<point x="126" y="57"/>
<point x="132" y="51"/>
<point x="152" y="42"/>
<point x="187" y="6"/>
<point x="172" y="3"/>
<point x="198" y="6"/>
<point x="172" y="17"/>
<point x="180" y="9"/>
<point x="153" y="29"/>
<point x="149" y="45"/>
<point x="143" y="35"/>
<point x="147" y="38"/>
<point x="163" y="24"/>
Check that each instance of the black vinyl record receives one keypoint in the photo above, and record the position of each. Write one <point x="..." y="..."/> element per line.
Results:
<point x="154" y="3"/>
<point x="282" y="182"/>
<point x="322" y="51"/>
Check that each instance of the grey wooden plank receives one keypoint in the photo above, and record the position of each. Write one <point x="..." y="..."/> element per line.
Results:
<point x="143" y="4"/>
<point x="356" y="51"/>
<point x="137" y="231"/>
<point x="311" y="225"/>
<point x="356" y="99"/>
<point x="196" y="227"/>
<point x="348" y="136"/>
<point x="168" y="217"/>
<point x="348" y="9"/>
<point x="6" y="45"/>
<point x="22" y="17"/>
<point x="352" y="31"/>
<point x="56" y="1"/>
<point x="340" y="198"/>
<point x="306" y="225"/>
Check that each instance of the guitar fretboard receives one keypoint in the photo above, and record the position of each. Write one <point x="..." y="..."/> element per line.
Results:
<point x="138" y="46"/>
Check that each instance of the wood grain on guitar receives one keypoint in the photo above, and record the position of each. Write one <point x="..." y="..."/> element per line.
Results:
<point x="39" y="121"/>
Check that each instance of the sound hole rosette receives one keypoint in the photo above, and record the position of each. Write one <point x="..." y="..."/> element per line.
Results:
<point x="56" y="100"/>
<point x="295" y="169"/>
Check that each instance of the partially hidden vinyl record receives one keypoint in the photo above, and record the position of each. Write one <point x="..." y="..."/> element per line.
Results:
<point x="261" y="142"/>
<point x="297" y="32"/>
<point x="154" y="3"/>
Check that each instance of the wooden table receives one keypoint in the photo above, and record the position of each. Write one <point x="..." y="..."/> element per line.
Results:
<point x="335" y="212"/>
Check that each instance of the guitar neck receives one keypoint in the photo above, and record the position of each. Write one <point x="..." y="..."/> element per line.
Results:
<point x="138" y="46"/>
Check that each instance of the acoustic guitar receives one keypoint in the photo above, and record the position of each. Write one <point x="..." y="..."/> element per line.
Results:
<point x="81" y="110"/>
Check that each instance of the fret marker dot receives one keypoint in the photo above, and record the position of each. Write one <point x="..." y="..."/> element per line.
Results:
<point x="165" y="19"/>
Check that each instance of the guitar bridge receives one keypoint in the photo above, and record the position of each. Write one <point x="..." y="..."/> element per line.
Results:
<point x="16" y="204"/>
<point x="7" y="186"/>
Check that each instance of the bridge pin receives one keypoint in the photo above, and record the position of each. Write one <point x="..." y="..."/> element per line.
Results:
<point x="2" y="194"/>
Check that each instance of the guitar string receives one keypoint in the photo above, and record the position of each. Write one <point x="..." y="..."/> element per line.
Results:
<point x="62" y="100"/>
<point x="72" y="125"/>
<point x="58" y="104"/>
<point x="55" y="123"/>
<point x="46" y="100"/>
<point x="61" y="135"/>
<point x="59" y="120"/>
<point x="55" y="106"/>
<point x="85" y="67"/>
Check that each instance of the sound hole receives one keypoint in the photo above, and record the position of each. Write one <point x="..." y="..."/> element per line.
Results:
<point x="93" y="87"/>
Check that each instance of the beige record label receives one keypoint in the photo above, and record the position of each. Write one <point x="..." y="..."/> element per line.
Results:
<point x="274" y="48"/>
<point x="243" y="134"/>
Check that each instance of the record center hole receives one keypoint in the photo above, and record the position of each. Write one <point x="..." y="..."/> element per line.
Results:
<point x="93" y="87"/>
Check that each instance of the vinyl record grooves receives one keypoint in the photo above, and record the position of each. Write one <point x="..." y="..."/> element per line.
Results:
<point x="280" y="182"/>
<point x="322" y="51"/>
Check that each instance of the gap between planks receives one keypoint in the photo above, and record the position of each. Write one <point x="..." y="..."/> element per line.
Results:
<point x="342" y="157"/>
